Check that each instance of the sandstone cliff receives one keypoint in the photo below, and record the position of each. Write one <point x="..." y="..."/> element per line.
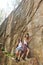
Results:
<point x="28" y="17"/>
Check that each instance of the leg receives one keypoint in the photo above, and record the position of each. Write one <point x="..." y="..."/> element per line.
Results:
<point x="19" y="55"/>
<point x="27" y="52"/>
<point x="23" y="55"/>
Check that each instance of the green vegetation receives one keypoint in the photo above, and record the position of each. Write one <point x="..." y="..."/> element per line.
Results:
<point x="3" y="49"/>
<point x="8" y="54"/>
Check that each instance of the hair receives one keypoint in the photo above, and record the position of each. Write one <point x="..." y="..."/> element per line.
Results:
<point x="27" y="34"/>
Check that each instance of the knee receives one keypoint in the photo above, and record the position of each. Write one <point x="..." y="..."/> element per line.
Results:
<point x="16" y="51"/>
<point x="19" y="52"/>
<point x="28" y="50"/>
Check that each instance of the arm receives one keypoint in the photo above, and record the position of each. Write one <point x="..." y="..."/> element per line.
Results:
<point x="17" y="44"/>
<point x="30" y="38"/>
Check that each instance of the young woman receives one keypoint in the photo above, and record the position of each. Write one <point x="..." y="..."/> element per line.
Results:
<point x="19" y="49"/>
<point x="22" y="47"/>
<point x="26" y="49"/>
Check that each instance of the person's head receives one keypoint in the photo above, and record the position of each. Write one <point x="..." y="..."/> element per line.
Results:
<point x="27" y="36"/>
<point x="19" y="39"/>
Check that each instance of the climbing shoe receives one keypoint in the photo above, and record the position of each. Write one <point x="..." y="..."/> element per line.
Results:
<point x="17" y="60"/>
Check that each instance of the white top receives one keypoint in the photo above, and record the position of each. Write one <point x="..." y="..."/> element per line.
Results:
<point x="25" y="42"/>
<point x="20" y="44"/>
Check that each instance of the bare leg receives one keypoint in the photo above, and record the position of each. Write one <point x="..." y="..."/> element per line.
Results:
<point x="19" y="55"/>
<point x="23" y="55"/>
<point x="27" y="52"/>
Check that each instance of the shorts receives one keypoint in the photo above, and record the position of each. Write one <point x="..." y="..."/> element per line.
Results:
<point x="19" y="49"/>
<point x="25" y="48"/>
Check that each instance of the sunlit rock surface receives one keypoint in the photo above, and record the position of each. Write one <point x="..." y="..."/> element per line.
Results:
<point x="28" y="17"/>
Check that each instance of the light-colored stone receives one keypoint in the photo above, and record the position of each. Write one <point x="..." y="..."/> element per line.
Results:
<point x="29" y="18"/>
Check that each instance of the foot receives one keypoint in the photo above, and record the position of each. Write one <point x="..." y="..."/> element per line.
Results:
<point x="26" y="58"/>
<point x="17" y="60"/>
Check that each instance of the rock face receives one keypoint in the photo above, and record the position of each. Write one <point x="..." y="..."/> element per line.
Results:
<point x="10" y="61"/>
<point x="28" y="17"/>
<point x="31" y="61"/>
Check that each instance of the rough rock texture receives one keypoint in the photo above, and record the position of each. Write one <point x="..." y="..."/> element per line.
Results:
<point x="31" y="61"/>
<point x="2" y="58"/>
<point x="28" y="17"/>
<point x="10" y="61"/>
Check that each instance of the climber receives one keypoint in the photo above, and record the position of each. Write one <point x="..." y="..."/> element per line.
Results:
<point x="26" y="49"/>
<point x="19" y="48"/>
<point x="22" y="47"/>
